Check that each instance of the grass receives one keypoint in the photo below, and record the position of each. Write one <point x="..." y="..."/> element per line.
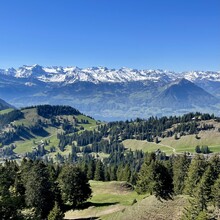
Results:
<point x="151" y="208"/>
<point x="92" y="123"/>
<point x="146" y="146"/>
<point x="168" y="145"/>
<point x="108" y="197"/>
<point x="31" y="117"/>
<point x="189" y="142"/>
<point x="113" y="200"/>
<point x="112" y="192"/>
<point x="186" y="143"/>
<point x="5" y="111"/>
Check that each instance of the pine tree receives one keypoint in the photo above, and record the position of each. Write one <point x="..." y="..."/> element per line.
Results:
<point x="106" y="173"/>
<point x="74" y="185"/>
<point x="216" y="193"/>
<point x="180" y="168"/>
<point x="99" y="171"/>
<point x="203" y="191"/>
<point x="91" y="170"/>
<point x="155" y="179"/>
<point x="38" y="190"/>
<point x="56" y="213"/>
<point x="195" y="172"/>
<point x="126" y="173"/>
<point x="215" y="164"/>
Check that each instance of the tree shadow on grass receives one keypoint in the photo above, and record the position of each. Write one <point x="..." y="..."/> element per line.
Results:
<point x="86" y="205"/>
<point x="89" y="204"/>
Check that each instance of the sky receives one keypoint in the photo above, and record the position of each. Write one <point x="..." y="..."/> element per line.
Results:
<point x="178" y="35"/>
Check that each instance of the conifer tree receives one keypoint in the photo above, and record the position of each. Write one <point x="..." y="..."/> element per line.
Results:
<point x="154" y="178"/>
<point x="216" y="193"/>
<point x="99" y="171"/>
<point x="56" y="213"/>
<point x="195" y="172"/>
<point x="38" y="191"/>
<point x="74" y="185"/>
<point x="180" y="168"/>
<point x="91" y="170"/>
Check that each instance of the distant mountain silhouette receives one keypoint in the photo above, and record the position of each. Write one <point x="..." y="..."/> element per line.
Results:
<point x="184" y="94"/>
<point x="4" y="105"/>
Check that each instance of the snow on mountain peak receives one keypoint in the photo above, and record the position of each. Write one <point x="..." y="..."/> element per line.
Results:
<point x="100" y="74"/>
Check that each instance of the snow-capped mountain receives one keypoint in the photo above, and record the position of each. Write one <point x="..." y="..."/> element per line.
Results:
<point x="112" y="93"/>
<point x="102" y="74"/>
<point x="202" y="75"/>
<point x="94" y="74"/>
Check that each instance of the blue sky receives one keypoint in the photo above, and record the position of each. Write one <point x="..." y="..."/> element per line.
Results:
<point x="176" y="35"/>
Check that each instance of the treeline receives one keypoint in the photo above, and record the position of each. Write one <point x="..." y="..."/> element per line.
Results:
<point x="9" y="117"/>
<point x="153" y="127"/>
<point x="117" y="167"/>
<point x="48" y="111"/>
<point x="37" y="191"/>
<point x="198" y="178"/>
<point x="15" y="134"/>
<point x="82" y="139"/>
<point x="139" y="129"/>
<point x="18" y="132"/>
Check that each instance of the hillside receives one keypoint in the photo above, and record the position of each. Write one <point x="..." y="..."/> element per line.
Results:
<point x="114" y="200"/>
<point x="108" y="198"/>
<point x="185" y="143"/>
<point x="4" y="105"/>
<point x="56" y="132"/>
<point x="35" y="129"/>
<point x="151" y="208"/>
<point x="136" y="169"/>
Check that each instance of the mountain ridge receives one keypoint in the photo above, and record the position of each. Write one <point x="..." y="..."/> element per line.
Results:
<point x="4" y="105"/>
<point x="106" y="94"/>
<point x="68" y="75"/>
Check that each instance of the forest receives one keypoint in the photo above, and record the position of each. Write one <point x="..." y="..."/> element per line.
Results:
<point x="39" y="190"/>
<point x="44" y="187"/>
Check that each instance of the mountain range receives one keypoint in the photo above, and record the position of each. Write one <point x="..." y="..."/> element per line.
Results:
<point x="111" y="94"/>
<point x="69" y="75"/>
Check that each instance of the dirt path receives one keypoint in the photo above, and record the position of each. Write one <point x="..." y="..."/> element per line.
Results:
<point x="164" y="145"/>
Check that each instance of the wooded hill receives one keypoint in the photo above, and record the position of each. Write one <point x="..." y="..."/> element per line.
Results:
<point x="57" y="132"/>
<point x="61" y="135"/>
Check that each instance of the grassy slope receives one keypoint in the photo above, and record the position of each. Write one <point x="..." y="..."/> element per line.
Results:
<point x="151" y="208"/>
<point x="187" y="143"/>
<point x="31" y="117"/>
<point x="6" y="111"/>
<point x="108" y="197"/>
<point x="113" y="201"/>
<point x="168" y="145"/>
<point x="145" y="146"/>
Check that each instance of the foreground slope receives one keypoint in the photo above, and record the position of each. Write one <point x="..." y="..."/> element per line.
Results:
<point x="152" y="208"/>
<point x="117" y="200"/>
